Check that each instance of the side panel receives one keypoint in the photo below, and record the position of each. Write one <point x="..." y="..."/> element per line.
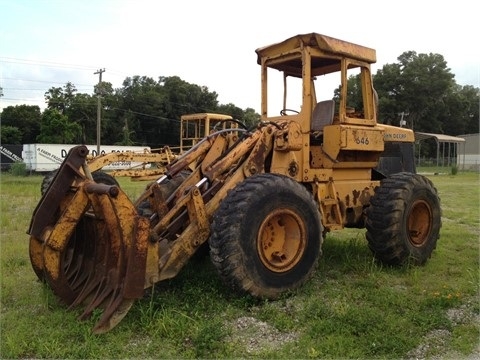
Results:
<point x="10" y="154"/>
<point x="357" y="138"/>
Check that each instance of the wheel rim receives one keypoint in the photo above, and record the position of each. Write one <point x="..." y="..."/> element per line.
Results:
<point x="281" y="240"/>
<point x="419" y="223"/>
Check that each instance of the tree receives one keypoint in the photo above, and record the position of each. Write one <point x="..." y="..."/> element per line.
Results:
<point x="56" y="128"/>
<point x="388" y="87"/>
<point x="422" y="87"/>
<point x="78" y="107"/>
<point x="152" y="109"/>
<point x="250" y="117"/>
<point x="60" y="98"/>
<point x="55" y="99"/>
<point x="180" y="98"/>
<point x="354" y="93"/>
<point x="143" y="111"/>
<point x="417" y="85"/>
<point x="83" y="111"/>
<point x="141" y="102"/>
<point x="185" y="98"/>
<point x="232" y="110"/>
<point x="126" y="135"/>
<point x="470" y="97"/>
<point x="69" y="91"/>
<point x="10" y="135"/>
<point x="26" y="118"/>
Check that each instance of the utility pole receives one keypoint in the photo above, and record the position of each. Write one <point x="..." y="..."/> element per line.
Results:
<point x="99" y="106"/>
<point x="1" y="94"/>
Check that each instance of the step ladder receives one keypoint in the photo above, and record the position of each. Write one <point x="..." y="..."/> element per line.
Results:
<point x="330" y="208"/>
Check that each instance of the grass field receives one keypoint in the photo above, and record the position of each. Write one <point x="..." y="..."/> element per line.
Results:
<point x="353" y="308"/>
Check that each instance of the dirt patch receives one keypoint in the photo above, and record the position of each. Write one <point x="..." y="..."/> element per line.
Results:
<point x="435" y="344"/>
<point x="255" y="335"/>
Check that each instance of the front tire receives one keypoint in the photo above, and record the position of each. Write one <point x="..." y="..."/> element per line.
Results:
<point x="101" y="177"/>
<point x="266" y="236"/>
<point x="404" y="220"/>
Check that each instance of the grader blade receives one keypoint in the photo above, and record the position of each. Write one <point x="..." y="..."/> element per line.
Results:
<point x="92" y="249"/>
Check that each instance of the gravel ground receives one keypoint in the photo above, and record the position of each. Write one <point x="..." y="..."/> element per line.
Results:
<point x="435" y="343"/>
<point x="255" y="335"/>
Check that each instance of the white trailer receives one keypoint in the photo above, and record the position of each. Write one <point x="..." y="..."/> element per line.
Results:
<point x="48" y="157"/>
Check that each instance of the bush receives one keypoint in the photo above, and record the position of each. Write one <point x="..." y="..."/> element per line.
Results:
<point x="18" y="169"/>
<point x="454" y="170"/>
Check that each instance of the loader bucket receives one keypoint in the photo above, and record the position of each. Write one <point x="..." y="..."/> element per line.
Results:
<point x="88" y="243"/>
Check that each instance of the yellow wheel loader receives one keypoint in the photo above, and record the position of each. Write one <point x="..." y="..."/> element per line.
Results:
<point x="260" y="198"/>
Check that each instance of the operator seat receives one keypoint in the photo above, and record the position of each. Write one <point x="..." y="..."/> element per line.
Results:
<point x="322" y="115"/>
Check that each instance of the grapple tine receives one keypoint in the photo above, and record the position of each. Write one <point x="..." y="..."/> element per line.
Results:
<point x="78" y="278"/>
<point x="56" y="248"/>
<point x="36" y="256"/>
<point x="94" y="269"/>
<point x="110" y="319"/>
<point x="92" y="283"/>
<point x="103" y="290"/>
<point x="76" y="262"/>
<point x="129" y="287"/>
<point x="91" y="269"/>
<point x="124" y="245"/>
<point x="122" y="297"/>
<point x="97" y="269"/>
<point x="114" y="259"/>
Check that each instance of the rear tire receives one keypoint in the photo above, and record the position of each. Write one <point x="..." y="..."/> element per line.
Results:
<point x="47" y="180"/>
<point x="98" y="176"/>
<point x="266" y="236"/>
<point x="404" y="220"/>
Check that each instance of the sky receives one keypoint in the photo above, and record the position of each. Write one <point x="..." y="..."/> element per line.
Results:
<point x="211" y="43"/>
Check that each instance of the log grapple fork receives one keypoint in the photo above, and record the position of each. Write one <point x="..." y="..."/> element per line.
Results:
<point x="88" y="243"/>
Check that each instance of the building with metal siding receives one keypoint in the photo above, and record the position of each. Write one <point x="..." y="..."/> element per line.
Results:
<point x="469" y="152"/>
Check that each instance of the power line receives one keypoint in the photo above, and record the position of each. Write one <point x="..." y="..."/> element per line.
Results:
<point x="44" y="63"/>
<point x="139" y="113"/>
<point x="22" y="99"/>
<point x="53" y="64"/>
<point x="39" y="89"/>
<point x="43" y="81"/>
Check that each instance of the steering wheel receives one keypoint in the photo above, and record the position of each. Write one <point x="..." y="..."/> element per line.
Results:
<point x="284" y="112"/>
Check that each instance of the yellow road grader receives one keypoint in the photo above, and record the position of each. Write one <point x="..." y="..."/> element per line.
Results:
<point x="261" y="198"/>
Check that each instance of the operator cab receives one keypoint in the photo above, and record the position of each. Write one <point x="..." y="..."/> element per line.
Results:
<point x="319" y="80"/>
<point x="324" y="86"/>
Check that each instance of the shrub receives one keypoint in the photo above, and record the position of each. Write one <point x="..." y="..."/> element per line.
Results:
<point x="18" y="169"/>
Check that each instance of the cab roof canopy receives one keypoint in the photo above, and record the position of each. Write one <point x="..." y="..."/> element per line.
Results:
<point x="326" y="52"/>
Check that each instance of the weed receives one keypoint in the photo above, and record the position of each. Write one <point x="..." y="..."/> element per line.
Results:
<point x="18" y="169"/>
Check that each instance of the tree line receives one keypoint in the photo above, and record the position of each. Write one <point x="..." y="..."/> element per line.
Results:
<point x="144" y="112"/>
<point x="420" y="88"/>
